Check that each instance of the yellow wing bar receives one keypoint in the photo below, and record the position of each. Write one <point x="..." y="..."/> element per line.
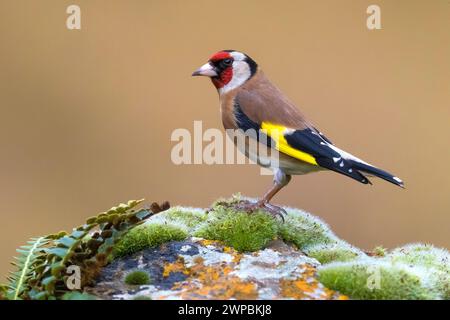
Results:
<point x="276" y="132"/>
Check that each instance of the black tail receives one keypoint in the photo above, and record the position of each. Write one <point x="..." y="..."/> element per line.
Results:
<point x="378" y="173"/>
<point x="352" y="168"/>
<point x="345" y="167"/>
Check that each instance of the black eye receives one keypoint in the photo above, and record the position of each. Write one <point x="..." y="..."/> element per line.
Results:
<point x="227" y="62"/>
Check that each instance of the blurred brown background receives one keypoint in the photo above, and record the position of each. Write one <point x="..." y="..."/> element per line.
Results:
<point x="86" y="116"/>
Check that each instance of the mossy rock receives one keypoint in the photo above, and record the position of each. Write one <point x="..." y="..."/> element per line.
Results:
<point x="411" y="272"/>
<point x="414" y="271"/>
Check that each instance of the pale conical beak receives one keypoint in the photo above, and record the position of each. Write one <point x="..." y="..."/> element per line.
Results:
<point x="206" y="70"/>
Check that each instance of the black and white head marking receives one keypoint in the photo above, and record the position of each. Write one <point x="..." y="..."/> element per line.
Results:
<point x="244" y="68"/>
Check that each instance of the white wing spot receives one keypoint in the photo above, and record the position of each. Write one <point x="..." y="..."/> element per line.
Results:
<point x="288" y="131"/>
<point x="350" y="170"/>
<point x="397" y="179"/>
<point x="346" y="155"/>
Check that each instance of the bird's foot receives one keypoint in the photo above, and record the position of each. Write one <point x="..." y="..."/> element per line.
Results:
<point x="274" y="210"/>
<point x="251" y="207"/>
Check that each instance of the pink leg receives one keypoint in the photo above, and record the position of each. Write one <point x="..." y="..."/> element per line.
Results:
<point x="280" y="181"/>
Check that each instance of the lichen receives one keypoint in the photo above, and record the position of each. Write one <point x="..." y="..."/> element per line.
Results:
<point x="242" y="231"/>
<point x="205" y="269"/>
<point x="137" y="277"/>
<point x="148" y="235"/>
<point x="371" y="278"/>
<point x="209" y="274"/>
<point x="307" y="287"/>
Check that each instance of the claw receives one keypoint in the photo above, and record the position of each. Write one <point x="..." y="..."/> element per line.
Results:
<point x="275" y="211"/>
<point x="271" y="209"/>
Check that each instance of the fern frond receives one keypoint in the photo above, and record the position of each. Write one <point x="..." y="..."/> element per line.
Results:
<point x="42" y="262"/>
<point x="24" y="263"/>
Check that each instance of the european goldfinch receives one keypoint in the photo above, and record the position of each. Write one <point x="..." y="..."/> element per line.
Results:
<point x="248" y="100"/>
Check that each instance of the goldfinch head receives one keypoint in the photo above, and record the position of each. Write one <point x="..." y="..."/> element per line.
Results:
<point x="228" y="69"/>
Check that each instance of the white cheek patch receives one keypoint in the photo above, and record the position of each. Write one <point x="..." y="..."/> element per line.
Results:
<point x="238" y="56"/>
<point x="241" y="73"/>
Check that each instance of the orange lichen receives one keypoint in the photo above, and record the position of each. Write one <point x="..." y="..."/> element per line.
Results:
<point x="236" y="255"/>
<point x="307" y="287"/>
<point x="210" y="281"/>
<point x="206" y="242"/>
<point x="177" y="266"/>
<point x="217" y="281"/>
<point x="228" y="249"/>
<point x="219" y="288"/>
<point x="295" y="288"/>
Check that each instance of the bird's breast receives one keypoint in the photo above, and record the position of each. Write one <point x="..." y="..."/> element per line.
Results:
<point x="227" y="113"/>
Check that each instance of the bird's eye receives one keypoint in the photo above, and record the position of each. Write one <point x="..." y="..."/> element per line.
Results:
<point x="227" y="62"/>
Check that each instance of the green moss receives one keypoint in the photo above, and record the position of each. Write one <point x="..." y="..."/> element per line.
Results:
<point x="75" y="295"/>
<point x="436" y="261"/>
<point x="411" y="272"/>
<point x="242" y="231"/>
<point x="148" y="235"/>
<point x="227" y="202"/>
<point x="137" y="277"/>
<point x="379" y="251"/>
<point x="142" y="298"/>
<point x="376" y="279"/>
<point x="190" y="217"/>
<point x="304" y="230"/>
<point x="252" y="232"/>
<point x="422" y="255"/>
<point x="340" y="251"/>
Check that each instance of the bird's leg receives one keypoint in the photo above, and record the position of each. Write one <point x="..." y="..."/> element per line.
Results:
<point x="280" y="180"/>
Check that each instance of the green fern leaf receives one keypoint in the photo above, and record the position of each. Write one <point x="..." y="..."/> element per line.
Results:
<point x="25" y="262"/>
